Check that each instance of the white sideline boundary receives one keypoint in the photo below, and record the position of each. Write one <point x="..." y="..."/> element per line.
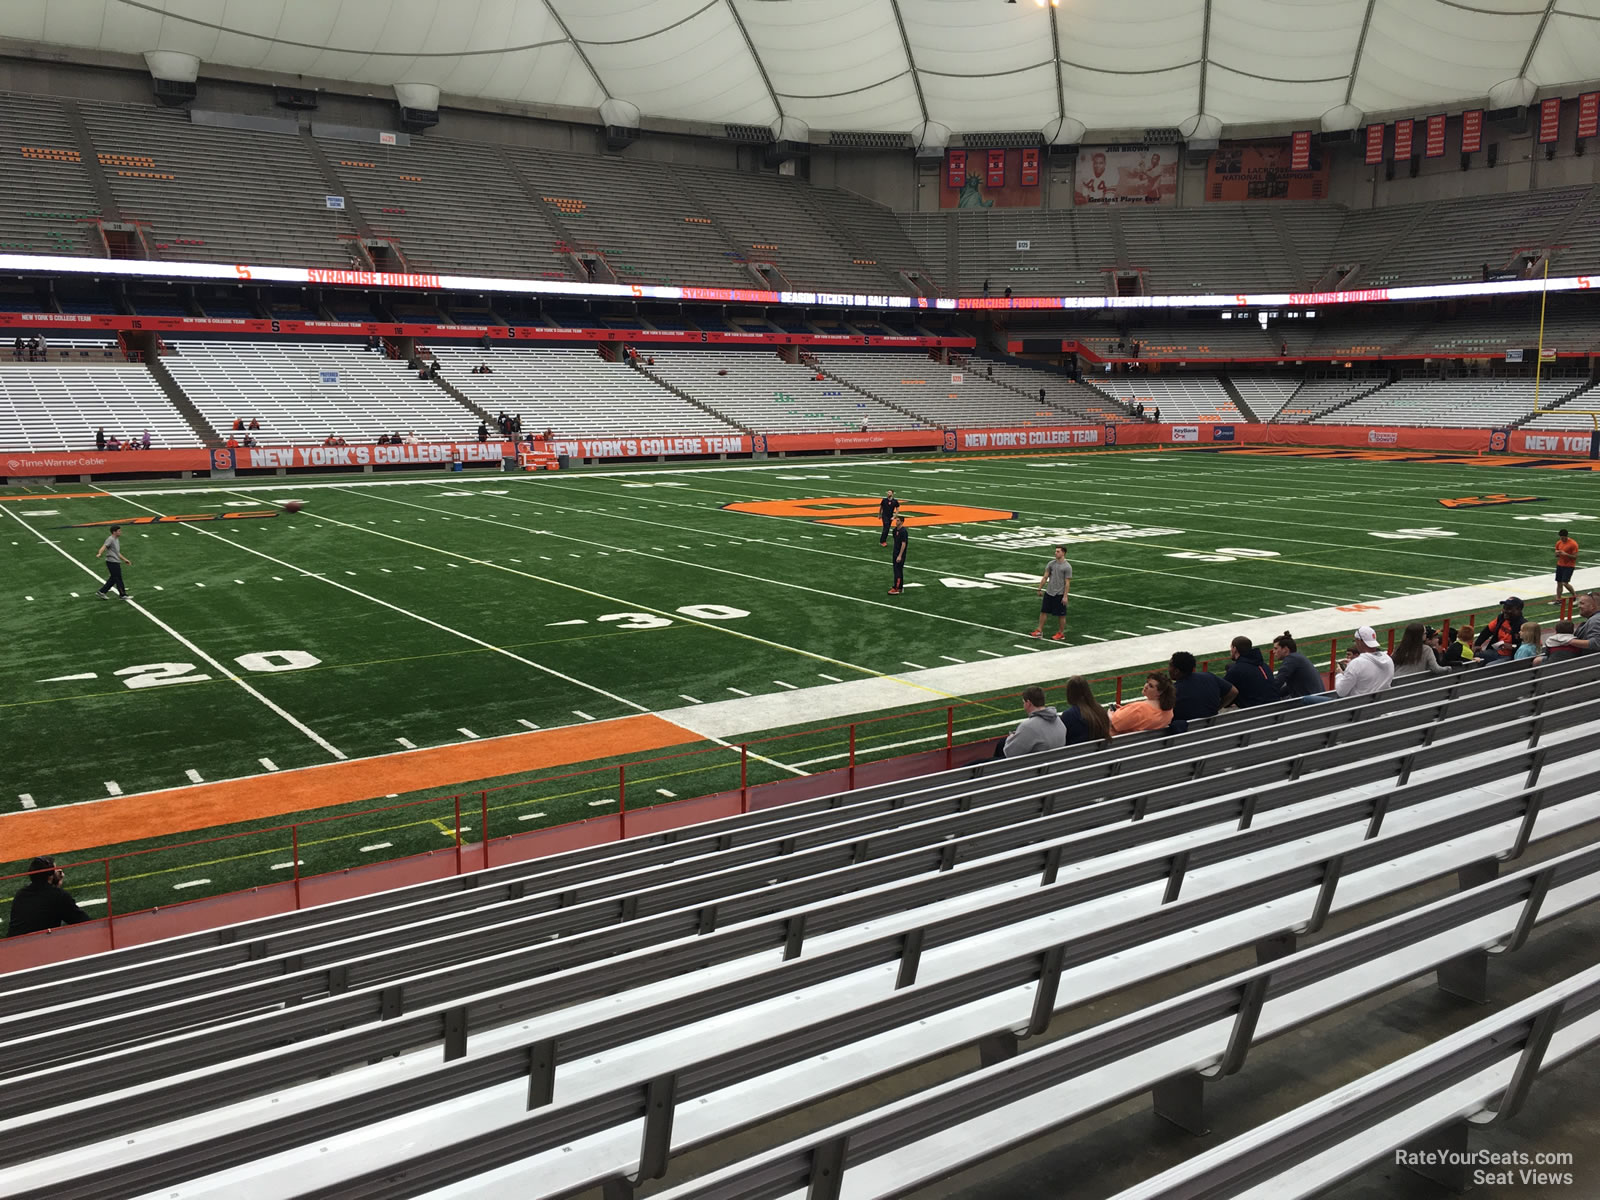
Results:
<point x="736" y="718"/>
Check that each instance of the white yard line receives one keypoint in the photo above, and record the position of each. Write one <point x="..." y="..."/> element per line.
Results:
<point x="188" y="645"/>
<point x="633" y="604"/>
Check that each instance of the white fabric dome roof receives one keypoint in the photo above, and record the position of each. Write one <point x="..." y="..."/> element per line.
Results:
<point x="881" y="65"/>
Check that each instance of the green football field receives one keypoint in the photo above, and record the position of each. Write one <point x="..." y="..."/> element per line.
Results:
<point x="398" y="614"/>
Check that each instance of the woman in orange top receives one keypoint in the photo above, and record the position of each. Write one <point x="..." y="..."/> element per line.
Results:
<point x="1566" y="560"/>
<point x="1154" y="711"/>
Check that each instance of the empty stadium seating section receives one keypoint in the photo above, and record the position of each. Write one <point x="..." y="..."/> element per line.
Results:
<point x="543" y="1027"/>
<point x="574" y="392"/>
<point x="284" y="386"/>
<point x="58" y="406"/>
<point x="758" y="390"/>
<point x="1476" y="403"/>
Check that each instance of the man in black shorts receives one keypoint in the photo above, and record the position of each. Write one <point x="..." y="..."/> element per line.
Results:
<point x="112" y="550"/>
<point x="1053" y="587"/>
<point x="900" y="540"/>
<point x="886" y="508"/>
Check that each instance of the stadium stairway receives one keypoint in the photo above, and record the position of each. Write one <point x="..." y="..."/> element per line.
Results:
<point x="909" y="914"/>
<point x="1567" y="397"/>
<point x="1238" y="400"/>
<point x="109" y="208"/>
<point x="1346" y="402"/>
<point x="656" y="378"/>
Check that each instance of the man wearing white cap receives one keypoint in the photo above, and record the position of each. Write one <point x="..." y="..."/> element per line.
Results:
<point x="1366" y="668"/>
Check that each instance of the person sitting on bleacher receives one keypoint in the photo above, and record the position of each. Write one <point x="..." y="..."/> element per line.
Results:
<point x="1041" y="728"/>
<point x="1367" y="666"/>
<point x="16" y="350"/>
<point x="1558" y="645"/>
<point x="1459" y="652"/>
<point x="1152" y="711"/>
<point x="1083" y="718"/>
<point x="43" y="903"/>
<point x="1589" y="632"/>
<point x="1497" y="643"/>
<point x="1296" y="677"/>
<point x="238" y="423"/>
<point x="1249" y="675"/>
<point x="1529" y="646"/>
<point x="1199" y="694"/>
<point x="99" y="436"/>
<point x="144" y="440"/>
<point x="255" y="422"/>
<point x="1418" y="652"/>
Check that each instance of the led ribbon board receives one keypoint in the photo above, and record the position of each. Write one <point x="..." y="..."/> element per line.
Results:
<point x="416" y="281"/>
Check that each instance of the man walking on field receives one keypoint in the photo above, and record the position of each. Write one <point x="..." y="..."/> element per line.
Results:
<point x="112" y="550"/>
<point x="1054" y="585"/>
<point x="886" y="508"/>
<point x="1566" y="563"/>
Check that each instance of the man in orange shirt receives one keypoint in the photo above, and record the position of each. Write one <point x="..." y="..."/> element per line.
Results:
<point x="1566" y="561"/>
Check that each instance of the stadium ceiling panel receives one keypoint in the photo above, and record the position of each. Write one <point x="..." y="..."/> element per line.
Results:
<point x="878" y="65"/>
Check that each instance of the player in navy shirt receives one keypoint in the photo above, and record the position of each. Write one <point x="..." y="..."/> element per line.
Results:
<point x="886" y="508"/>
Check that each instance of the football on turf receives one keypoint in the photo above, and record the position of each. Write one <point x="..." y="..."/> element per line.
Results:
<point x="293" y="506"/>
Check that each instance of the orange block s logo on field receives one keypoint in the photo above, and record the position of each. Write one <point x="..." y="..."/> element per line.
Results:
<point x="863" y="511"/>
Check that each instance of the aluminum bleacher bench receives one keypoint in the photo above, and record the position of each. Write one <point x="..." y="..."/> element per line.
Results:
<point x="1428" y="1101"/>
<point x="1171" y="1048"/>
<point x="677" y="951"/>
<point x="959" y="998"/>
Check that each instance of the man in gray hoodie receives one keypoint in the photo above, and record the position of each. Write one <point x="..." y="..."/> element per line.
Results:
<point x="1040" y="730"/>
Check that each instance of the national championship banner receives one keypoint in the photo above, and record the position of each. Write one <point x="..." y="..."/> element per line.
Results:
<point x="1030" y="168"/>
<point x="988" y="179"/>
<point x="1549" y="120"/>
<point x="1126" y="175"/>
<point x="1402" y="139"/>
<point x="1434" y="146"/>
<point x="1264" y="171"/>
<point x="1589" y="114"/>
<point x="1300" y="150"/>
<point x="955" y="168"/>
<point x="1472" y="131"/>
<point x="1374" y="145"/>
